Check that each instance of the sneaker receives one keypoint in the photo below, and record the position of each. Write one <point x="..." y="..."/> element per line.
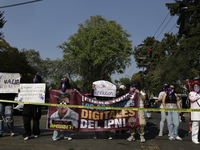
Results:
<point x="171" y="138"/>
<point x="95" y="137"/>
<point x="160" y="134"/>
<point x="55" y="139"/>
<point x="131" y="138"/>
<point x="36" y="136"/>
<point x="12" y="134"/>
<point x="110" y="138"/>
<point x="142" y="139"/>
<point x="169" y="134"/>
<point x="195" y="141"/>
<point x="26" y="138"/>
<point x="178" y="138"/>
<point x="69" y="138"/>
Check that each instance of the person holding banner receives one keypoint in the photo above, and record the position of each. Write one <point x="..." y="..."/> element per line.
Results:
<point x="142" y="123"/>
<point x="64" y="115"/>
<point x="29" y="112"/>
<point x="102" y="98"/>
<point x="6" y="113"/>
<point x="194" y="97"/>
<point x="171" y="101"/>
<point x="121" y="92"/>
<point x="9" y="84"/>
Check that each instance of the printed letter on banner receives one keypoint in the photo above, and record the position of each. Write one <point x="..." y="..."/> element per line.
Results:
<point x="91" y="119"/>
<point x="9" y="82"/>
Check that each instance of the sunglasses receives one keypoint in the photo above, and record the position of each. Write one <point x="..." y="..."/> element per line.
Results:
<point x="64" y="103"/>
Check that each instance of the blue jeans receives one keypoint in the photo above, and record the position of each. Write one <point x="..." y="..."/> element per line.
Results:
<point x="172" y="121"/>
<point x="6" y="111"/>
<point x="56" y="134"/>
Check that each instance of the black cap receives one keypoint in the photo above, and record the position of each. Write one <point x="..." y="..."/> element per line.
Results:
<point x="165" y="85"/>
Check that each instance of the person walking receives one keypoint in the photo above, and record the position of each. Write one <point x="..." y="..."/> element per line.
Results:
<point x="194" y="97"/>
<point x="171" y="101"/>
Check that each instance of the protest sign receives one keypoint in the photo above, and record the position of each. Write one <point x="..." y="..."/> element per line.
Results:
<point x="104" y="88"/>
<point x="32" y="93"/>
<point x="91" y="119"/>
<point x="9" y="82"/>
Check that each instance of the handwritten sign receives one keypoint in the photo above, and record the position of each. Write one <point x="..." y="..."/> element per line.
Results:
<point x="104" y="89"/>
<point x="9" y="82"/>
<point x="32" y="93"/>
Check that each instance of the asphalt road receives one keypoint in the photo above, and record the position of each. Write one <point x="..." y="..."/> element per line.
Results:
<point x="85" y="141"/>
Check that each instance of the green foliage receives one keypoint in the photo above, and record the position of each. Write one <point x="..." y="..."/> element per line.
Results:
<point x="99" y="47"/>
<point x="2" y="21"/>
<point x="14" y="61"/>
<point x="188" y="12"/>
<point x="169" y="66"/>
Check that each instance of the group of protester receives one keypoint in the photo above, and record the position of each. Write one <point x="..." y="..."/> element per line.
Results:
<point x="170" y="100"/>
<point x="29" y="112"/>
<point x="168" y="97"/>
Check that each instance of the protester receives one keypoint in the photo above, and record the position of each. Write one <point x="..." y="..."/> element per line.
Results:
<point x="29" y="112"/>
<point x="194" y="97"/>
<point x="163" y="116"/>
<point x="64" y="113"/>
<point x="108" y="133"/>
<point x="121" y="92"/>
<point x="171" y="101"/>
<point x="142" y="123"/>
<point x="6" y="113"/>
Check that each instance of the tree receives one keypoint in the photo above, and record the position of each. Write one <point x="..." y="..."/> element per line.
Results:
<point x="189" y="31"/>
<point x="188" y="12"/>
<point x="14" y="61"/>
<point x="168" y="64"/>
<point x="2" y="21"/>
<point x="99" y="47"/>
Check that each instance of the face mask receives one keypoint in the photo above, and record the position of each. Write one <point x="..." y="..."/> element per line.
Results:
<point x="35" y="80"/>
<point x="63" y="83"/>
<point x="197" y="89"/>
<point x="171" y="91"/>
<point x="166" y="89"/>
<point x="131" y="87"/>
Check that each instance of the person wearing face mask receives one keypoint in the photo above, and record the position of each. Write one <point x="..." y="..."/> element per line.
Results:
<point x="163" y="116"/>
<point x="194" y="97"/>
<point x="29" y="112"/>
<point x="170" y="100"/>
<point x="142" y="122"/>
<point x="64" y="113"/>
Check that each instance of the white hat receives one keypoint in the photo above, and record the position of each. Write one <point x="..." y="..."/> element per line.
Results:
<point x="122" y="87"/>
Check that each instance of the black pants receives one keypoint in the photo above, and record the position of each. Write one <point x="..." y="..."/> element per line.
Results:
<point x="31" y="112"/>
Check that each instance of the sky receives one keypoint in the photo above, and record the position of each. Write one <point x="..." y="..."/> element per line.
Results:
<point x="45" y="24"/>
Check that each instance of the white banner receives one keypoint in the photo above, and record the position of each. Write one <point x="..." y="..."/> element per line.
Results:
<point x="32" y="93"/>
<point x="104" y="89"/>
<point x="9" y="82"/>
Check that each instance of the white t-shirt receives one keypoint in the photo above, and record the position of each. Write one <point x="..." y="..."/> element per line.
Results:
<point x="140" y="101"/>
<point x="160" y="96"/>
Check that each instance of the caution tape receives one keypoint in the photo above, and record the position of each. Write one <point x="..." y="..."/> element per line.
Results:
<point x="103" y="108"/>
